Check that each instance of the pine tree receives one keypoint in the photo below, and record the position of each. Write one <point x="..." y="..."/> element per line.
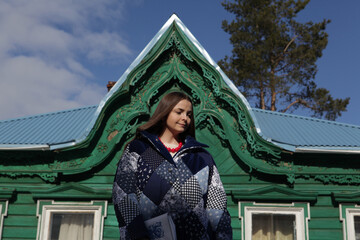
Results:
<point x="274" y="57"/>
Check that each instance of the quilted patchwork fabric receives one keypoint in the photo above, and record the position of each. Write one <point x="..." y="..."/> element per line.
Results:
<point x="149" y="183"/>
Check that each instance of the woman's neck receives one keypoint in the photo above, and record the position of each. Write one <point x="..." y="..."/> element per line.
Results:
<point x="169" y="138"/>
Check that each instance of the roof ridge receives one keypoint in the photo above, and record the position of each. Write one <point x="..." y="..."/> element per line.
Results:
<point x="307" y="118"/>
<point x="47" y="114"/>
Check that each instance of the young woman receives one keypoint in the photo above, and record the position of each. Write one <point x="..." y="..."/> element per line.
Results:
<point x="165" y="170"/>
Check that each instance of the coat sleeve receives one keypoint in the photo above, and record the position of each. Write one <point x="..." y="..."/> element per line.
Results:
<point x="216" y="207"/>
<point x="131" y="222"/>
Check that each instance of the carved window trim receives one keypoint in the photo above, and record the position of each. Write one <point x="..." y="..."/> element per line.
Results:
<point x="4" y="204"/>
<point x="347" y="214"/>
<point x="301" y="211"/>
<point x="46" y="207"/>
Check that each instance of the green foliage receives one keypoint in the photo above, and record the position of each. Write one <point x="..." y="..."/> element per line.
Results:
<point x="274" y="57"/>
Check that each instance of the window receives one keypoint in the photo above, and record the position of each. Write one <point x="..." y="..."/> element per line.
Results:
<point x="3" y="213"/>
<point x="350" y="216"/>
<point x="274" y="221"/>
<point x="70" y="220"/>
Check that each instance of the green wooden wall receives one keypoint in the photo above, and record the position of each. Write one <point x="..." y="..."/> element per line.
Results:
<point x="21" y="221"/>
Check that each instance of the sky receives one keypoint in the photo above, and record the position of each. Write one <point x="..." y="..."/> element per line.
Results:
<point x="58" y="55"/>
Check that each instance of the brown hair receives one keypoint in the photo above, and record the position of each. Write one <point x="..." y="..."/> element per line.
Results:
<point x="157" y="121"/>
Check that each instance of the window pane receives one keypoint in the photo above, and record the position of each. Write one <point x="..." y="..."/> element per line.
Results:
<point x="68" y="226"/>
<point x="273" y="227"/>
<point x="357" y="227"/>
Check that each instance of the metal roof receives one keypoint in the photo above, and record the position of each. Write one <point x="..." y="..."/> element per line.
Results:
<point x="46" y="130"/>
<point x="298" y="133"/>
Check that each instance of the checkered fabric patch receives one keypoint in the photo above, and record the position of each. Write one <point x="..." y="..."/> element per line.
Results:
<point x="152" y="158"/>
<point x="177" y="186"/>
<point x="191" y="191"/>
<point x="128" y="209"/>
<point x="216" y="198"/>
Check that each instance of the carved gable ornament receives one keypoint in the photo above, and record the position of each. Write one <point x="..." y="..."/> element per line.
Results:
<point x="175" y="60"/>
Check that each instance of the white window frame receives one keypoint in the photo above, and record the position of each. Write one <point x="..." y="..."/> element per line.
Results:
<point x="45" y="208"/>
<point x="4" y="204"/>
<point x="347" y="214"/>
<point x="301" y="211"/>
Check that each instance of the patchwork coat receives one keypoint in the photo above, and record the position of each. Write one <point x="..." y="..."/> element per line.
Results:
<point x="150" y="182"/>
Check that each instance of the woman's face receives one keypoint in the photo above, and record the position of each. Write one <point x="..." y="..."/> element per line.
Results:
<point x="179" y="118"/>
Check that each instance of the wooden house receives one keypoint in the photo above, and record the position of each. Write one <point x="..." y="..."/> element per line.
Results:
<point x="286" y="176"/>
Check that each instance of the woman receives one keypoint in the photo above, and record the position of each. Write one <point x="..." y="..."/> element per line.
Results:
<point x="165" y="170"/>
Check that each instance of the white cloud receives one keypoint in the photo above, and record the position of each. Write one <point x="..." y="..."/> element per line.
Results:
<point x="44" y="47"/>
<point x="30" y="85"/>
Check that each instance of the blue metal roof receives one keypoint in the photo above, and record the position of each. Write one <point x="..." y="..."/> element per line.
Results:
<point x="294" y="132"/>
<point x="46" y="129"/>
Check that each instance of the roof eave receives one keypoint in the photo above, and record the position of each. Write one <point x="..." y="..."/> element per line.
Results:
<point x="24" y="147"/>
<point x="327" y="150"/>
<point x="35" y="147"/>
<point x="317" y="149"/>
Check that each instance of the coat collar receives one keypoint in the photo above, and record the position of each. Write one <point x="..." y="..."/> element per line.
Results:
<point x="190" y="142"/>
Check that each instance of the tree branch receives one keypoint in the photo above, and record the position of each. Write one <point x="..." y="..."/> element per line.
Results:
<point x="279" y="58"/>
<point x="301" y="101"/>
<point x="291" y="41"/>
<point x="289" y="106"/>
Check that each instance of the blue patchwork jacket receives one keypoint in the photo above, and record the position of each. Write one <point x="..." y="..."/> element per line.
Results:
<point x="150" y="182"/>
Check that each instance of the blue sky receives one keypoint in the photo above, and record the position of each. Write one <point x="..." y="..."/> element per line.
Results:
<point x="57" y="55"/>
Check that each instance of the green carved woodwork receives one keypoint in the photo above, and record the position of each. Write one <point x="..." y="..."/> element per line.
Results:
<point x="174" y="63"/>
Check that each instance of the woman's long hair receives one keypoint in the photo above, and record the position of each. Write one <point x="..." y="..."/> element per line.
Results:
<point x="157" y="121"/>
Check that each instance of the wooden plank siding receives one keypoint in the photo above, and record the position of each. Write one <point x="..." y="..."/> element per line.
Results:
<point x="21" y="221"/>
<point x="324" y="223"/>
